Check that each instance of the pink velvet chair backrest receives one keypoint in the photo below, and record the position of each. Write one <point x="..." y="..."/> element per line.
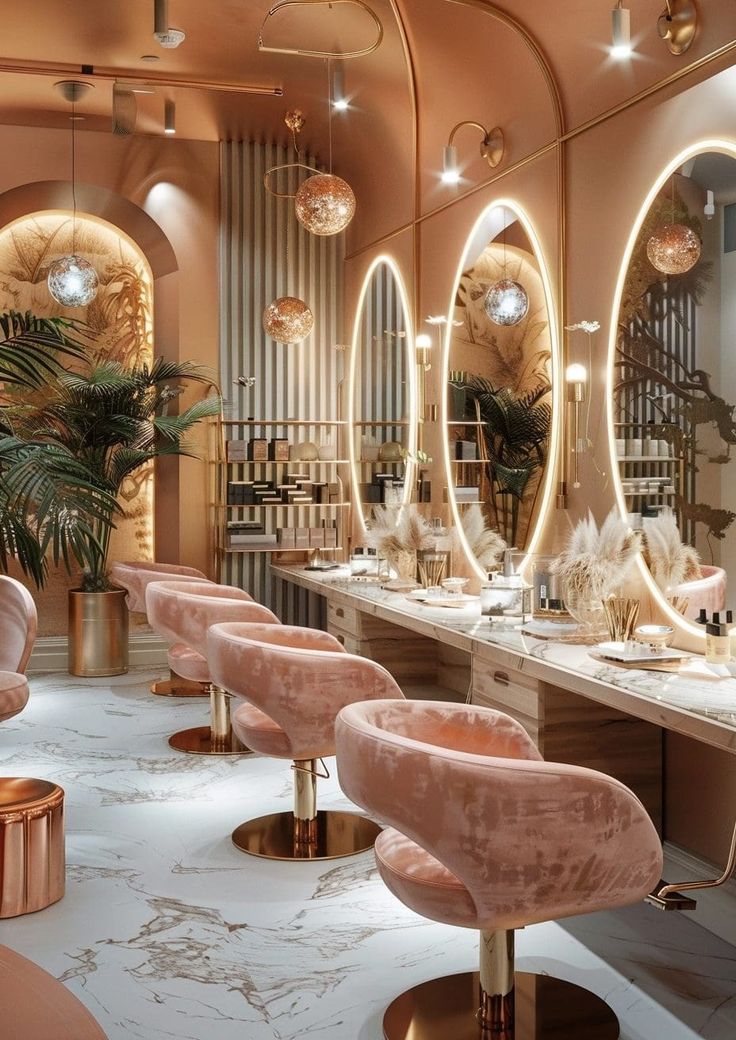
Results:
<point x="300" y="677"/>
<point x="182" y="611"/>
<point x="18" y="625"/>
<point x="135" y="576"/>
<point x="531" y="840"/>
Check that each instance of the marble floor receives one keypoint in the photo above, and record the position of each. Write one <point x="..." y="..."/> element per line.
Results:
<point x="167" y="931"/>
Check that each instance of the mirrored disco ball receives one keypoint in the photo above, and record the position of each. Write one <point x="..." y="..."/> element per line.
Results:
<point x="325" y="204"/>
<point x="73" y="281"/>
<point x="673" y="249"/>
<point x="506" y="302"/>
<point x="288" y="320"/>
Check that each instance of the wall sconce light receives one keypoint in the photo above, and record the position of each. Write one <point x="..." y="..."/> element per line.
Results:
<point x="620" y="31"/>
<point x="423" y="345"/>
<point x="576" y="377"/>
<point x="678" y="24"/>
<point x="491" y="149"/>
<point x="169" y="117"/>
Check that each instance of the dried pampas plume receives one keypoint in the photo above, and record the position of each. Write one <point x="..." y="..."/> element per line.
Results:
<point x="670" y="561"/>
<point x="398" y="529"/>
<point x="596" y="562"/>
<point x="487" y="546"/>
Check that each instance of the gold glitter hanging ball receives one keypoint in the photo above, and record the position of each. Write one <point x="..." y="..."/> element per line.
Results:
<point x="673" y="249"/>
<point x="506" y="302"/>
<point x="288" y="320"/>
<point x="325" y="204"/>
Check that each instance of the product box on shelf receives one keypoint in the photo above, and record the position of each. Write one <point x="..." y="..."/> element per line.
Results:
<point x="316" y="538"/>
<point x="286" y="538"/>
<point x="330" y="536"/>
<point x="258" y="449"/>
<point x="236" y="451"/>
<point x="278" y="449"/>
<point x="466" y="451"/>
<point x="466" y="494"/>
<point x="301" y="537"/>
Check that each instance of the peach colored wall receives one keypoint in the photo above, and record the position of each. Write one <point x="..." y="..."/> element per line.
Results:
<point x="177" y="184"/>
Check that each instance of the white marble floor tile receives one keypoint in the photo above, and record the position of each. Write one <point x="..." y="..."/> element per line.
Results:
<point x="167" y="931"/>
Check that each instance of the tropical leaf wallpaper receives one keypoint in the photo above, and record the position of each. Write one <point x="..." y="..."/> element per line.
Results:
<point x="118" y="325"/>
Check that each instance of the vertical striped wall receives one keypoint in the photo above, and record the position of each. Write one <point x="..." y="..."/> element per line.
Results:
<point x="266" y="253"/>
<point x="383" y="376"/>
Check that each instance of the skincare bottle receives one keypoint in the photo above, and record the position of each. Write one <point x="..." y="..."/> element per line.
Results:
<point x="717" y="644"/>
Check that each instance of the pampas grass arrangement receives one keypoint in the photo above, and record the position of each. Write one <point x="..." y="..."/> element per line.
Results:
<point x="486" y="545"/>
<point x="394" y="530"/>
<point x="594" y="563"/>
<point x="670" y="561"/>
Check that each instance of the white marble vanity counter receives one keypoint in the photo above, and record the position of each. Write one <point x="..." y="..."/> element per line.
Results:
<point x="702" y="707"/>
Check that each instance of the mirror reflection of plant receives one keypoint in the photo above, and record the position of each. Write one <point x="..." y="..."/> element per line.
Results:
<point x="48" y="504"/>
<point x="515" y="433"/>
<point x="114" y="420"/>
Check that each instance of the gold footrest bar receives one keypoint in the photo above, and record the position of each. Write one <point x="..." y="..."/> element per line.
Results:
<point x="545" y="1008"/>
<point x="331" y="835"/>
<point x="202" y="741"/>
<point x="670" y="897"/>
<point x="669" y="900"/>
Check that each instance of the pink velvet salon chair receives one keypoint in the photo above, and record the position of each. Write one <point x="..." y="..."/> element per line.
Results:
<point x="485" y="835"/>
<point x="295" y="681"/>
<point x="18" y="627"/>
<point x="135" y="576"/>
<point x="182" y="611"/>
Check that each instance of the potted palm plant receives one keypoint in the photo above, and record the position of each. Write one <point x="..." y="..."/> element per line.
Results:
<point x="113" y="419"/>
<point x="48" y="503"/>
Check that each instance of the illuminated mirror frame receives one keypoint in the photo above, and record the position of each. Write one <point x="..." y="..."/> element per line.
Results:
<point x="411" y="440"/>
<point x="725" y="148"/>
<point x="555" y="380"/>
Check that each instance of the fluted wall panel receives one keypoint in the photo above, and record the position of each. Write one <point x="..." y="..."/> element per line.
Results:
<point x="266" y="253"/>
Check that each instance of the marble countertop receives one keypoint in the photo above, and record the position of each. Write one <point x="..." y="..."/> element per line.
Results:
<point x="700" y="704"/>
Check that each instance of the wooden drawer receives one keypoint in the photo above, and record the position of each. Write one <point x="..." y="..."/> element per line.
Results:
<point x="344" y="618"/>
<point x="349" y="641"/>
<point x="510" y="691"/>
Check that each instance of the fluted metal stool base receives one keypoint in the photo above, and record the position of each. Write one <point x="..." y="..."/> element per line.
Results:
<point x="201" y="741"/>
<point x="545" y="1009"/>
<point x="331" y="835"/>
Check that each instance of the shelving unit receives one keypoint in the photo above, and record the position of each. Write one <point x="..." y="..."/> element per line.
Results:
<point x="229" y="472"/>
<point x="656" y="468"/>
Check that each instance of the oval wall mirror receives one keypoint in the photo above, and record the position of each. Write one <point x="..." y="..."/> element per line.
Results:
<point x="501" y="367"/>
<point x="382" y="394"/>
<point x="672" y="374"/>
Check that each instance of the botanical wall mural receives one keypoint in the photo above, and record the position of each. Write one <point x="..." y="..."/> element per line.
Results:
<point x="117" y="325"/>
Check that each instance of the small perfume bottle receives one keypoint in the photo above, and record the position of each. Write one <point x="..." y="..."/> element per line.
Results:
<point x="717" y="644"/>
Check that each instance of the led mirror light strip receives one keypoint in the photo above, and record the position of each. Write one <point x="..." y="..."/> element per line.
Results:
<point x="558" y="405"/>
<point x="410" y="348"/>
<point x="714" y="145"/>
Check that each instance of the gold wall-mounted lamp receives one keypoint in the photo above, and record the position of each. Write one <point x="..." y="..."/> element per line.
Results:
<point x="576" y="377"/>
<point x="491" y="149"/>
<point x="423" y="346"/>
<point x="676" y="25"/>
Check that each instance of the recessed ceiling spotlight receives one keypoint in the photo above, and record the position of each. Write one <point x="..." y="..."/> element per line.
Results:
<point x="164" y="33"/>
<point x="169" y="117"/>
<point x="620" y="31"/>
<point x="150" y="57"/>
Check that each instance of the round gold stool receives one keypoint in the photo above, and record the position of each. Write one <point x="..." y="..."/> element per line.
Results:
<point x="31" y="845"/>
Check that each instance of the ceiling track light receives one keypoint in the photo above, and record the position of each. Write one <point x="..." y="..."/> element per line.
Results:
<point x="491" y="149"/>
<point x="169" y="117"/>
<point x="338" y="98"/>
<point x="620" y="31"/>
<point x="165" y="34"/>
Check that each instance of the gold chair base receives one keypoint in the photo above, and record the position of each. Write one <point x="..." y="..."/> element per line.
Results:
<point x="200" y="741"/>
<point x="178" y="687"/>
<point x="32" y="867"/>
<point x="338" y="834"/>
<point x="545" y="1009"/>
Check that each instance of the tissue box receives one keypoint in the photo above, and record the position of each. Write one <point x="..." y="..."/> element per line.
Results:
<point x="258" y="449"/>
<point x="235" y="451"/>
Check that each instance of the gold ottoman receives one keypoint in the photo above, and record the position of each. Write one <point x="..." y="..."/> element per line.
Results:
<point x="31" y="845"/>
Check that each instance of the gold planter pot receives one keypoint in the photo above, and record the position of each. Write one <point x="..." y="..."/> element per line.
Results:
<point x="98" y="633"/>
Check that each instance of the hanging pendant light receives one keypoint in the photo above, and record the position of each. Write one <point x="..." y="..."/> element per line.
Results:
<point x="72" y="280"/>
<point x="673" y="248"/>
<point x="288" y="320"/>
<point x="324" y="204"/>
<point x="506" y="302"/>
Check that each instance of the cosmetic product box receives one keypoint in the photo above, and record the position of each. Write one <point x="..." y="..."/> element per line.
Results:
<point x="466" y="451"/>
<point x="236" y="495"/>
<point x="252" y="541"/>
<point x="466" y="494"/>
<point x="301" y="537"/>
<point x="370" y="493"/>
<point x="258" y="449"/>
<point x="330" y="536"/>
<point x="246" y="527"/>
<point x="236" y="451"/>
<point x="316" y="538"/>
<point x="334" y="491"/>
<point x="278" y="449"/>
<point x="286" y="537"/>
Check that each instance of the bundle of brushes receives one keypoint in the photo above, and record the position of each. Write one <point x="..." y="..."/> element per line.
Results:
<point x="670" y="561"/>
<point x="431" y="569"/>
<point x="621" y="617"/>
<point x="487" y="546"/>
<point x="394" y="530"/>
<point x="594" y="563"/>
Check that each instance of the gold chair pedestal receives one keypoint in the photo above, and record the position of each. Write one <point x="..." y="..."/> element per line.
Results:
<point x="497" y="1003"/>
<point x="217" y="738"/>
<point x="306" y="833"/>
<point x="32" y="865"/>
